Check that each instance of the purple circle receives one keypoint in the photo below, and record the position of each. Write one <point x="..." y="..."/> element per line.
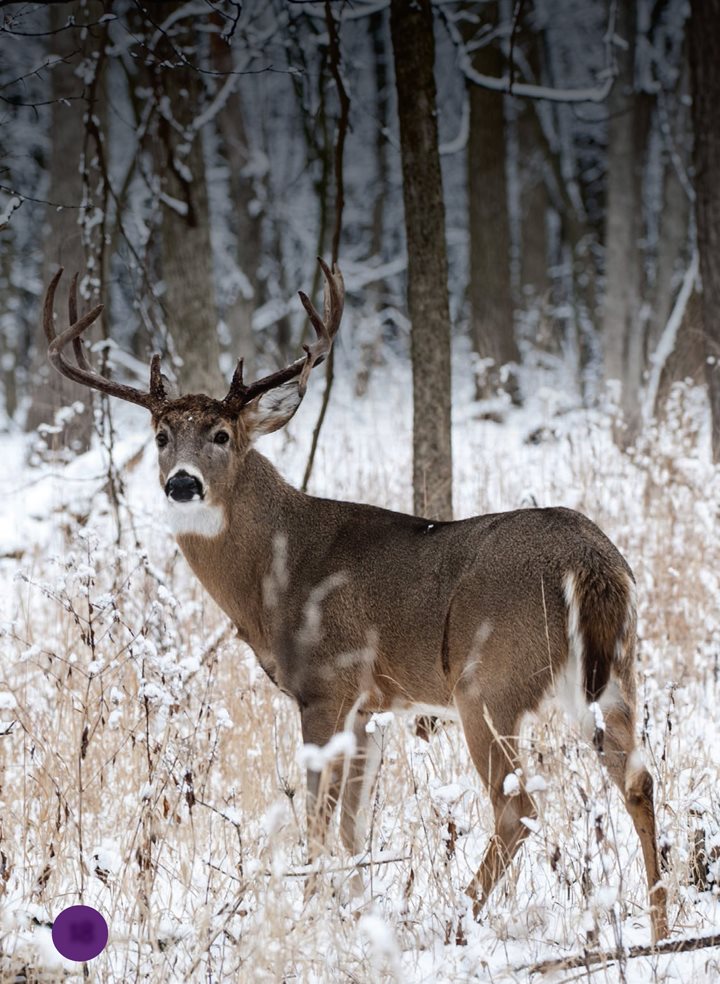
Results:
<point x="80" y="933"/>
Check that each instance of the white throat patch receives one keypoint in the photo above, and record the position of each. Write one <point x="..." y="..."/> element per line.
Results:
<point x="196" y="517"/>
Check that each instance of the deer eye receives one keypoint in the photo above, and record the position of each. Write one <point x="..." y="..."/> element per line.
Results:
<point x="222" y="437"/>
<point x="161" y="439"/>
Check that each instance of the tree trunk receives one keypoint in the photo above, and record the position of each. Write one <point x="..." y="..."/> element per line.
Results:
<point x="705" y="73"/>
<point x="413" y="43"/>
<point x="371" y="342"/>
<point x="63" y="244"/>
<point x="187" y="271"/>
<point x="623" y="330"/>
<point x="490" y="289"/>
<point x="237" y="151"/>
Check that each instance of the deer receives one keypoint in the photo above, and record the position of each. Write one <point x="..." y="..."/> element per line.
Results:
<point x="352" y="609"/>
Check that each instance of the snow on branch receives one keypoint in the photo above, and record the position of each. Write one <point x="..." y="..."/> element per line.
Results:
<point x="508" y="86"/>
<point x="458" y="142"/>
<point x="668" y="338"/>
<point x="6" y="212"/>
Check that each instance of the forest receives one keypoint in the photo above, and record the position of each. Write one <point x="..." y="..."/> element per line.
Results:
<point x="523" y="197"/>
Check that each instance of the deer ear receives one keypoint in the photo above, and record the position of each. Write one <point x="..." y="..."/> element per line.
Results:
<point x="272" y="410"/>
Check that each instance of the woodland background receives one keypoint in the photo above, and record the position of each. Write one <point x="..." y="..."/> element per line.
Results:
<point x="191" y="159"/>
<point x="524" y="198"/>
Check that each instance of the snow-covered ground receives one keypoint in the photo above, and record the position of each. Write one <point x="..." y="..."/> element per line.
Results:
<point x="146" y="760"/>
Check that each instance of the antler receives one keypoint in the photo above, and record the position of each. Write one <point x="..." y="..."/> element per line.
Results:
<point x="83" y="372"/>
<point x="326" y="328"/>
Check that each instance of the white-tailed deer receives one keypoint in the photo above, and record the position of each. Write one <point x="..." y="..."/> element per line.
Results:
<point x="352" y="609"/>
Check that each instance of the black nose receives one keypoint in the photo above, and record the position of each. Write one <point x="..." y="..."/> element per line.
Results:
<point x="183" y="487"/>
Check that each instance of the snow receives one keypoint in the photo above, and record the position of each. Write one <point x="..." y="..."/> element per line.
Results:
<point x="511" y="783"/>
<point x="314" y="758"/>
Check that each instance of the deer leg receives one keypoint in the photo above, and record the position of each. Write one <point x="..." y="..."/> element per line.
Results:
<point x="359" y="786"/>
<point x="493" y="749"/>
<point x="319" y="723"/>
<point x="625" y="766"/>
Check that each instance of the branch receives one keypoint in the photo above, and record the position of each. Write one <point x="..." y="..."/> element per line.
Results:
<point x="509" y="87"/>
<point x="589" y="958"/>
<point x="46" y="3"/>
<point x="525" y="89"/>
<point x="668" y="339"/>
<point x="161" y="30"/>
<point x="38" y="201"/>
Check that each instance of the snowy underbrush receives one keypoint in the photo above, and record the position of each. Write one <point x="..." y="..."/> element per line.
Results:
<point x="149" y="768"/>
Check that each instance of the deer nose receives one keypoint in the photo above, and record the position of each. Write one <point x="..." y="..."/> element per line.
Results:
<point x="182" y="487"/>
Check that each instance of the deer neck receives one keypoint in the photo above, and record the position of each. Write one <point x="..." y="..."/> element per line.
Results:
<point x="238" y="565"/>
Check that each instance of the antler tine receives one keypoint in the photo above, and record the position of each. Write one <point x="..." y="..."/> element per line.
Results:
<point x="325" y="328"/>
<point x="73" y="316"/>
<point x="157" y="387"/>
<point x="82" y="372"/>
<point x="48" y="306"/>
<point x="334" y="295"/>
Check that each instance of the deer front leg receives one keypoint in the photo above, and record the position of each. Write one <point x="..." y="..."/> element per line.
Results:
<point x="320" y="721"/>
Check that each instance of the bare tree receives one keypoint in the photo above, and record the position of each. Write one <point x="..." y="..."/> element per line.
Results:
<point x="237" y="150"/>
<point x="411" y="27"/>
<point x="490" y="289"/>
<point x="187" y="270"/>
<point x="705" y="72"/>
<point x="63" y="242"/>
<point x="623" y="330"/>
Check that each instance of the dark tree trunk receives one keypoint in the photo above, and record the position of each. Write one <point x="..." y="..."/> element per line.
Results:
<point x="380" y="246"/>
<point x="187" y="269"/>
<point x="490" y="289"/>
<point x="705" y="74"/>
<point x="623" y="327"/>
<point x="411" y="28"/>
<point x="237" y="151"/>
<point x="63" y="239"/>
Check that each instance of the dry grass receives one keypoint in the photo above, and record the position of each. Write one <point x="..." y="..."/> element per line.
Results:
<point x="152" y="768"/>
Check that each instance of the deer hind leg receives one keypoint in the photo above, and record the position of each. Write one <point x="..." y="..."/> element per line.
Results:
<point x="359" y="785"/>
<point x="493" y="748"/>
<point x="624" y="763"/>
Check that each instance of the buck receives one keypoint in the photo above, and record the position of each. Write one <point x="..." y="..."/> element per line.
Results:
<point x="352" y="609"/>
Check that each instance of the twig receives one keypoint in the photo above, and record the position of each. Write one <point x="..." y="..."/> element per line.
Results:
<point x="590" y="957"/>
<point x="517" y="14"/>
<point x="344" y="100"/>
<point x="314" y="869"/>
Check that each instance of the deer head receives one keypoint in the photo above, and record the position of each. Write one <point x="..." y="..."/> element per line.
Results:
<point x="202" y="441"/>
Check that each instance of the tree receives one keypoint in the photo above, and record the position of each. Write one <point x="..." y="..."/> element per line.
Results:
<point x="623" y="330"/>
<point x="237" y="150"/>
<point x="187" y="269"/>
<point x="490" y="289"/>
<point x="705" y="72"/>
<point x="63" y="244"/>
<point x="411" y="28"/>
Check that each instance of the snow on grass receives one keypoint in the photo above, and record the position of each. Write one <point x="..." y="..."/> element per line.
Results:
<point x="147" y="764"/>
